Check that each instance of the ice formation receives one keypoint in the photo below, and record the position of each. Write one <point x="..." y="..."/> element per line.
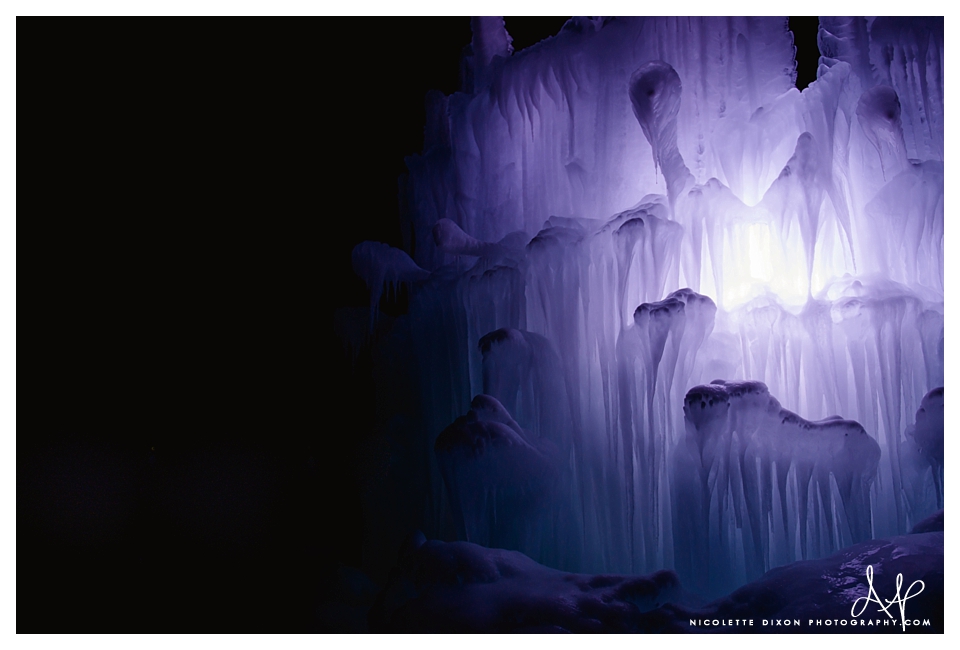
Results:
<point x="921" y="458"/>
<point x="461" y="587"/>
<point x="778" y="471"/>
<point x="500" y="482"/>
<point x="678" y="312"/>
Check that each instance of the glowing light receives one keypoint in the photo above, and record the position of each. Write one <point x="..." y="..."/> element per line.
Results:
<point x="757" y="262"/>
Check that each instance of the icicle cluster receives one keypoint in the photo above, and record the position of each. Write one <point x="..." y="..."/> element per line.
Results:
<point x="642" y="240"/>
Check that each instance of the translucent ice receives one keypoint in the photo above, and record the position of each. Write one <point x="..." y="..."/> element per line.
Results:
<point x="776" y="472"/>
<point x="612" y="219"/>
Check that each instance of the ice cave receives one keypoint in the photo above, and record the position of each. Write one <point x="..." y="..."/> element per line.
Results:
<point x="668" y="315"/>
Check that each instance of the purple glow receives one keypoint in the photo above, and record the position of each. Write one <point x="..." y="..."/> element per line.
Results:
<point x="667" y="311"/>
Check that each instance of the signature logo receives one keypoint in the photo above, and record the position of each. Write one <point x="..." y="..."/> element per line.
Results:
<point x="901" y="601"/>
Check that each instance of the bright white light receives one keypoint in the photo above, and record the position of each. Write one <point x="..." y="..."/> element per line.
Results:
<point x="756" y="261"/>
<point x="760" y="259"/>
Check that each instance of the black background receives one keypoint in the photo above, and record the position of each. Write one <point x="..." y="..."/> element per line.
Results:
<point x="186" y="452"/>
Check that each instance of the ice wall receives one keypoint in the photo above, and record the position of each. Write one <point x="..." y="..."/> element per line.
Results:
<point x="552" y="131"/>
<point x="777" y="474"/>
<point x="667" y="311"/>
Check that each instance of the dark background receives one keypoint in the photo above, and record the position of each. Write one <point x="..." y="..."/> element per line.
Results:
<point x="186" y="457"/>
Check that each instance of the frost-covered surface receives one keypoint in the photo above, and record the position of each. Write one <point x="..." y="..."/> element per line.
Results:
<point x="931" y="524"/>
<point x="462" y="587"/>
<point x="826" y="589"/>
<point x="636" y="208"/>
